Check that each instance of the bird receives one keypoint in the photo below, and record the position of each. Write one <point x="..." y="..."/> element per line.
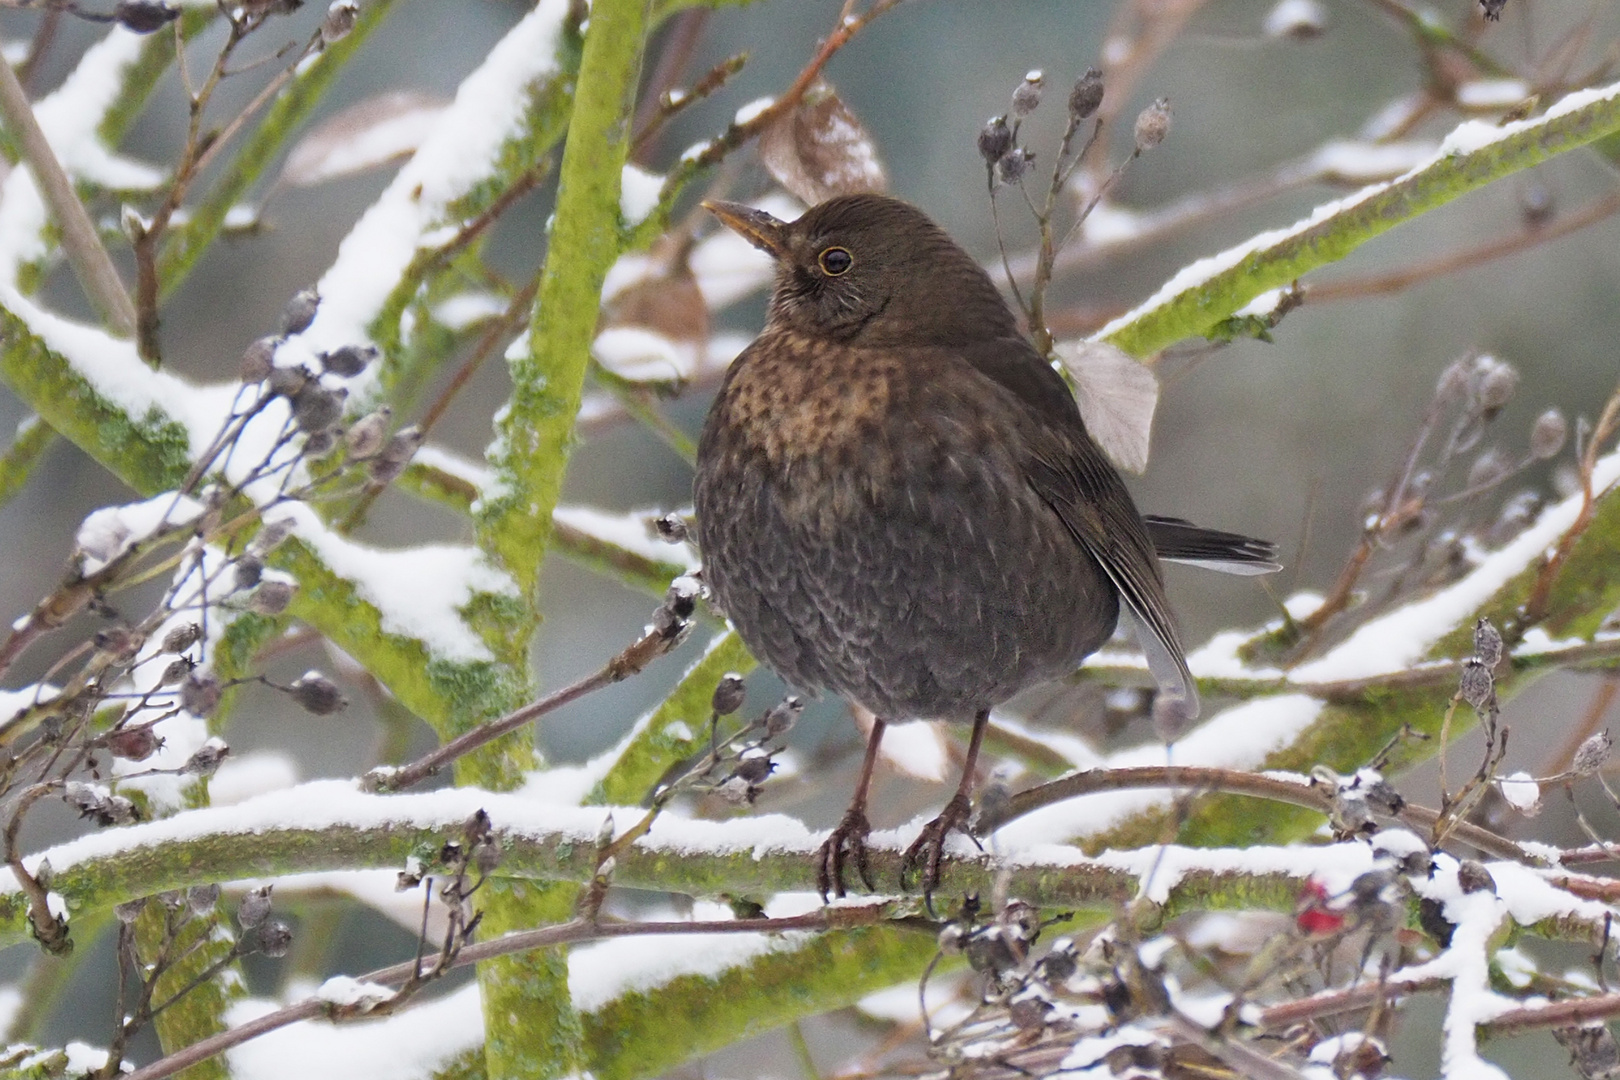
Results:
<point x="898" y="503"/>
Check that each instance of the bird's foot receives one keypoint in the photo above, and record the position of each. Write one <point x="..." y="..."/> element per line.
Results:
<point x="846" y="845"/>
<point x="923" y="856"/>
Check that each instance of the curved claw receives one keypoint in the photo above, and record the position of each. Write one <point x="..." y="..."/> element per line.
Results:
<point x="847" y="842"/>
<point x="928" y="849"/>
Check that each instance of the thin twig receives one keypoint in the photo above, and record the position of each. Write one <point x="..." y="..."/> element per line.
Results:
<point x="85" y="252"/>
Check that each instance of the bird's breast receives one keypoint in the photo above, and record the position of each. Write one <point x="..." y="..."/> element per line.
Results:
<point x="816" y="420"/>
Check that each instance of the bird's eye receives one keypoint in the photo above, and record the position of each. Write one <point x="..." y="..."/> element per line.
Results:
<point x="835" y="261"/>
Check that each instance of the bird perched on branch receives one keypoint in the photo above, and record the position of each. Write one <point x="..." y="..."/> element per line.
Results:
<point x="898" y="502"/>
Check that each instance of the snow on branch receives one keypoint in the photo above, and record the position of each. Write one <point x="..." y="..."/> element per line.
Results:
<point x="1478" y="152"/>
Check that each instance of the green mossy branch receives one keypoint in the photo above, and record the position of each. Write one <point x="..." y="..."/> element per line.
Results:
<point x="1196" y="310"/>
<point x="150" y="453"/>
<point x="647" y="1033"/>
<point x="562" y="854"/>
<point x="535" y="431"/>
<point x="677" y="729"/>
<point x="27" y="448"/>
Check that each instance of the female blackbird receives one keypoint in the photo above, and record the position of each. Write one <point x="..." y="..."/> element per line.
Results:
<point x="897" y="500"/>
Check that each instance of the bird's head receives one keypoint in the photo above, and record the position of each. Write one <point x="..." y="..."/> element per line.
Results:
<point x="871" y="270"/>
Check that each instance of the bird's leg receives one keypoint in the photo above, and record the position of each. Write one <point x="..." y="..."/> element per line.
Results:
<point x="848" y="840"/>
<point x="925" y="852"/>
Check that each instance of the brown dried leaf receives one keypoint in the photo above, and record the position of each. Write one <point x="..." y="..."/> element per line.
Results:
<point x="820" y="150"/>
<point x="669" y="303"/>
<point x="1117" y="396"/>
<point x="366" y="135"/>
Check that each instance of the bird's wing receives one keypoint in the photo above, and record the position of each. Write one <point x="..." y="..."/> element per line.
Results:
<point x="1087" y="494"/>
<point x="1177" y="540"/>
<point x="1083" y="488"/>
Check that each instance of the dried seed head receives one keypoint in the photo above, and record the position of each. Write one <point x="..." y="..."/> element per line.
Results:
<point x="367" y="435"/>
<point x="274" y="938"/>
<point x="755" y="767"/>
<point x="1489" y="469"/>
<point x="780" y="718"/>
<point x="1028" y="1010"/>
<point x="1059" y="965"/>
<point x="175" y="671"/>
<point x="207" y="758"/>
<point x="1476" y="687"/>
<point x="272" y="534"/>
<point x="349" y="360"/>
<point x="129" y="911"/>
<point x="144" y="16"/>
<point x="1492" y="9"/>
<point x="317" y="444"/>
<point x="248" y="570"/>
<point x="133" y="744"/>
<point x="671" y="528"/>
<point x="1454" y="381"/>
<point x="1014" y="165"/>
<point x="393" y="458"/>
<point x="202" y="898"/>
<point x="315" y="408"/>
<point x="729" y="693"/>
<point x="1152" y="125"/>
<point x="1592" y="1049"/>
<point x="318" y="695"/>
<point x="1087" y="95"/>
<point x="1027" y="97"/>
<point x="1547" y="435"/>
<point x="1487" y="643"/>
<point x="1592" y="755"/>
<point x="1536" y="205"/>
<point x="288" y="381"/>
<point x="181" y="638"/>
<point x="300" y="311"/>
<point x="271" y="598"/>
<point x="96" y="802"/>
<point x="736" y="791"/>
<point x="258" y="360"/>
<point x="200" y="694"/>
<point x="1473" y="877"/>
<point x="338" y="22"/>
<point x="254" y="908"/>
<point x="120" y="642"/>
<point x="1493" y="384"/>
<point x="995" y="140"/>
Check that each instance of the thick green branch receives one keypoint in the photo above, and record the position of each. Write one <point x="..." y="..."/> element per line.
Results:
<point x="535" y="432"/>
<point x="1269" y="261"/>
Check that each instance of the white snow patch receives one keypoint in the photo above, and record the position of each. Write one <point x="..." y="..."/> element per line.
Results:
<point x="605" y="970"/>
<point x="1240" y="737"/>
<point x="464" y="309"/>
<point x="344" y="990"/>
<point x="639" y="191"/>
<point x="643" y="355"/>
<point x="241" y="778"/>
<point x="1492" y="93"/>
<point x="628" y="532"/>
<point x="460" y="151"/>
<point x="916" y="748"/>
<point x="416" y="1044"/>
<point x="419" y="592"/>
<point x="750" y="112"/>
<point x="1398" y="640"/>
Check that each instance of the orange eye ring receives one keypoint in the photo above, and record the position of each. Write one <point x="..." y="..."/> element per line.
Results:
<point x="835" y="261"/>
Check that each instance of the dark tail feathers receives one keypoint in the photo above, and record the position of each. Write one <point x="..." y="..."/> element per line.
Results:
<point x="1181" y="541"/>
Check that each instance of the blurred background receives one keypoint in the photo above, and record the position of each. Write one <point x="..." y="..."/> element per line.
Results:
<point x="1280" y="439"/>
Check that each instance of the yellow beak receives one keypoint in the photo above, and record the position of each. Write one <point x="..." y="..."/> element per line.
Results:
<point x="756" y="226"/>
